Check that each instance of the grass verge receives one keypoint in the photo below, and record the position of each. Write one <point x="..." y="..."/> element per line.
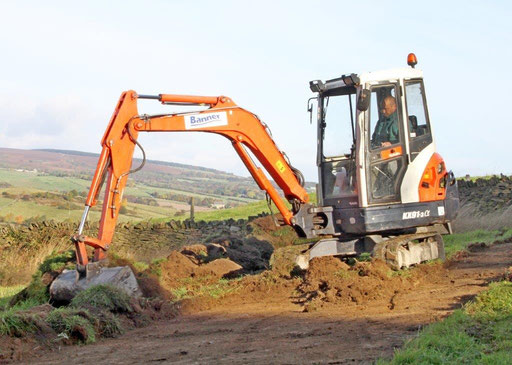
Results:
<point x="480" y="333"/>
<point x="7" y="292"/>
<point x="460" y="241"/>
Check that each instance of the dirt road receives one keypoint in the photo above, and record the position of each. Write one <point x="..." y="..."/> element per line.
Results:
<point x="274" y="329"/>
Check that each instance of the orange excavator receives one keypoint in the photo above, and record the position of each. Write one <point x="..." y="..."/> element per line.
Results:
<point x="382" y="188"/>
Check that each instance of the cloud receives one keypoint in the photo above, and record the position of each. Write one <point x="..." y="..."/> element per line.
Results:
<point x="58" y="122"/>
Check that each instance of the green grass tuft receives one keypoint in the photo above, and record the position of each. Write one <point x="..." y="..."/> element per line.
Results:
<point x="15" y="323"/>
<point x="180" y="293"/>
<point x="140" y="266"/>
<point x="155" y="267"/>
<point x="495" y="303"/>
<point x="57" y="261"/>
<point x="107" y="324"/>
<point x="460" y="241"/>
<point x="6" y="294"/>
<point x="74" y="323"/>
<point x="36" y="291"/>
<point x="105" y="297"/>
<point x="194" y="287"/>
<point x="481" y="333"/>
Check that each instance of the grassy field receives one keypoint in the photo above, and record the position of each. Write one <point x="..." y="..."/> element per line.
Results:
<point x="28" y="209"/>
<point x="460" y="241"/>
<point x="480" y="333"/>
<point x="29" y="181"/>
<point x="24" y="182"/>
<point x="241" y="212"/>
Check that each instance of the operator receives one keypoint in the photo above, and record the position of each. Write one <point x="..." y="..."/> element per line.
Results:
<point x="386" y="130"/>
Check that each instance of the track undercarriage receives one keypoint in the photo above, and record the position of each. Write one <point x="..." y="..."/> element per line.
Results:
<point x="398" y="251"/>
<point x="408" y="250"/>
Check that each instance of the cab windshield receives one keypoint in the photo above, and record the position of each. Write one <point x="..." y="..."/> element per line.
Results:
<point x="337" y="130"/>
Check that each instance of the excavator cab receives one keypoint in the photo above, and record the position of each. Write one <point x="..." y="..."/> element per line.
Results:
<point x="379" y="173"/>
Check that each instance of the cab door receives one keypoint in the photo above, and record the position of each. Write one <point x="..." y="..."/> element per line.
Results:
<point x="385" y="148"/>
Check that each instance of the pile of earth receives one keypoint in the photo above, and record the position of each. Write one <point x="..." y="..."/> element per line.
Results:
<point x="330" y="281"/>
<point x="228" y="257"/>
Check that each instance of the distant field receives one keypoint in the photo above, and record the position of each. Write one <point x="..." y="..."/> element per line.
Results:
<point x="24" y="182"/>
<point x="79" y="167"/>
<point x="29" y="181"/>
<point x="33" y="181"/>
<point x="241" y="212"/>
<point x="33" y="210"/>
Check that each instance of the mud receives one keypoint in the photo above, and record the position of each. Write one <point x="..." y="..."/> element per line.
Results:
<point x="270" y="326"/>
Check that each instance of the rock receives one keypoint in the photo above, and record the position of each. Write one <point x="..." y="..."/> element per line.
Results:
<point x="66" y="286"/>
<point x="302" y="261"/>
<point x="234" y="229"/>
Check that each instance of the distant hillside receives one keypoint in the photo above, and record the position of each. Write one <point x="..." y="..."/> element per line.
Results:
<point x="96" y="155"/>
<point x="177" y="178"/>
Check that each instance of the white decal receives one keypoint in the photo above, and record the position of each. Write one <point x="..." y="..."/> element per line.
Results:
<point x="416" y="214"/>
<point x="440" y="210"/>
<point x="205" y="120"/>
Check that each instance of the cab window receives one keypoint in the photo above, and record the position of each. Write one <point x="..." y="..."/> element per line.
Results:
<point x="419" y="132"/>
<point x="337" y="136"/>
<point x="384" y="120"/>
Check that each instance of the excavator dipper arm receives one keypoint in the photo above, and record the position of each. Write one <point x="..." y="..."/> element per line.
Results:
<point x="223" y="117"/>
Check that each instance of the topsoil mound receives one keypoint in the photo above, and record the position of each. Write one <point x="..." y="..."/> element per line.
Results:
<point x="331" y="281"/>
<point x="180" y="266"/>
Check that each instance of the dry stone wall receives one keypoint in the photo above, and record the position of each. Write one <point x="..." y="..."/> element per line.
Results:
<point x="142" y="241"/>
<point x="486" y="196"/>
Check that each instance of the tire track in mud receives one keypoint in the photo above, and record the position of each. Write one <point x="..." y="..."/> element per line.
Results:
<point x="275" y="330"/>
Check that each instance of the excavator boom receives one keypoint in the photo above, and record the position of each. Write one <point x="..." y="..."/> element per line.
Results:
<point x="224" y="117"/>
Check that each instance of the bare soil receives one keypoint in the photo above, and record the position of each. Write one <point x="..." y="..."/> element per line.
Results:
<point x="356" y="315"/>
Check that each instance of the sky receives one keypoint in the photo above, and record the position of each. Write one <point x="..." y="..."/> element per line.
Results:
<point x="64" y="65"/>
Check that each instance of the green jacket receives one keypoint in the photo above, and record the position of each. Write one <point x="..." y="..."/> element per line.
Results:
<point x="386" y="130"/>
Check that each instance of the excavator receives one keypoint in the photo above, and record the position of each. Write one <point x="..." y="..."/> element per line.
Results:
<point x="383" y="188"/>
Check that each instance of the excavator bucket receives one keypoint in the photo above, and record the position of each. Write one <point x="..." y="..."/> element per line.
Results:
<point x="68" y="284"/>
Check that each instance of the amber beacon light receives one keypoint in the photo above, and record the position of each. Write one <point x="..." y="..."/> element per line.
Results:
<point x="412" y="60"/>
